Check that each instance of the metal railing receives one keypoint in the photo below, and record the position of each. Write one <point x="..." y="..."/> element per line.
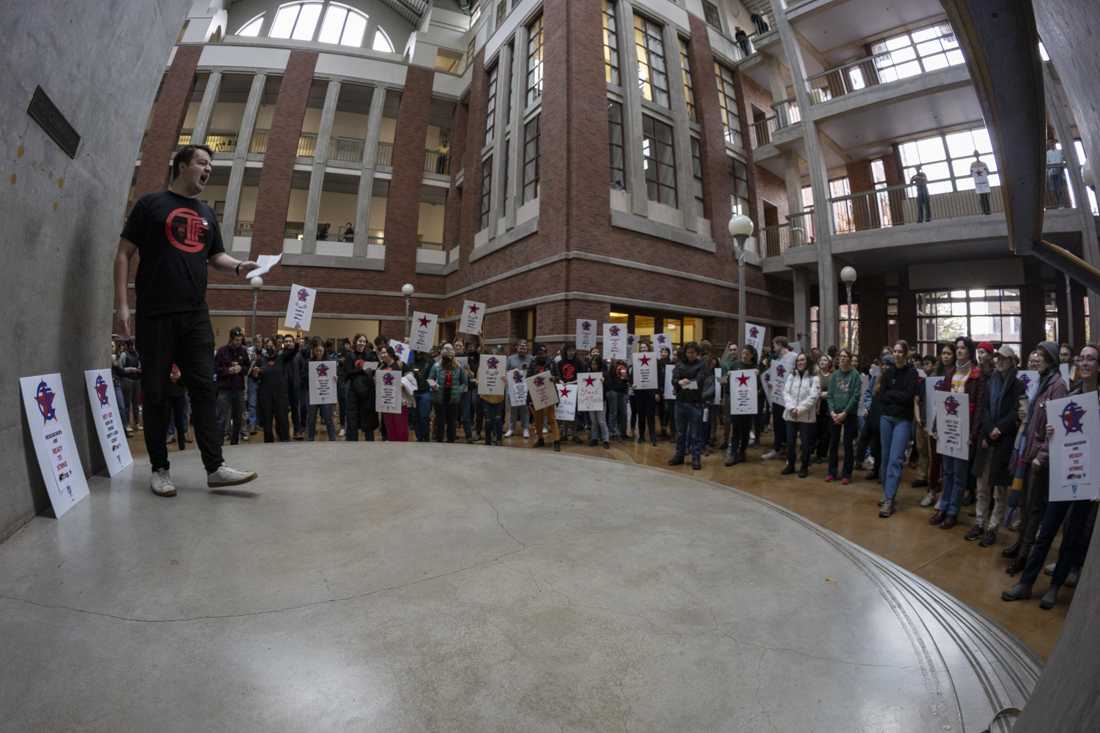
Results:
<point x="762" y="131"/>
<point x="778" y="238"/>
<point x="307" y="145"/>
<point x="422" y="244"/>
<point x="346" y="149"/>
<point x="437" y="163"/>
<point x="258" y="145"/>
<point x="786" y="113"/>
<point x="385" y="155"/>
<point x="221" y="142"/>
<point x="183" y="139"/>
<point x="844" y="79"/>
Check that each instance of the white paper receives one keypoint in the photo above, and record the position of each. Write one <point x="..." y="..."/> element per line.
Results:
<point x="662" y="341"/>
<point x="402" y="351"/>
<point x="473" y="314"/>
<point x="754" y="336"/>
<point x="265" y="263"/>
<point x="743" y="392"/>
<point x="590" y="392"/>
<point x="299" y="311"/>
<point x="108" y="421"/>
<point x="423" y="331"/>
<point x="1031" y="380"/>
<point x="670" y="389"/>
<point x="780" y="369"/>
<point x="491" y="375"/>
<point x="953" y="424"/>
<point x="541" y="389"/>
<point x="322" y="383"/>
<point x="1074" y="454"/>
<point x="692" y="385"/>
<point x="566" y="409"/>
<point x="932" y="385"/>
<point x="387" y="391"/>
<point x="517" y="388"/>
<point x="717" y="386"/>
<point x="586" y="334"/>
<point x="645" y="371"/>
<point x="614" y="341"/>
<point x="52" y="435"/>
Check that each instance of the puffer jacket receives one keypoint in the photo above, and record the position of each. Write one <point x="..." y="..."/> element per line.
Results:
<point x="801" y="391"/>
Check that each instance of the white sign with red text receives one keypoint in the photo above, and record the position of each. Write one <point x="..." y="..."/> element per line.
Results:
<point x="473" y="313"/>
<point x="108" y="420"/>
<point x="424" y="328"/>
<point x="299" y="311"/>
<point x="52" y="435"/>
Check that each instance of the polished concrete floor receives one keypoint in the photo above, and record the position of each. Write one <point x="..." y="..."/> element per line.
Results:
<point x="405" y="588"/>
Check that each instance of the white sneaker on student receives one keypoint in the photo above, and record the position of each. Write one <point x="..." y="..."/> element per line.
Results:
<point x="526" y="433"/>
<point x="226" y="476"/>
<point x="161" y="483"/>
<point x="769" y="455"/>
<point x="508" y="434"/>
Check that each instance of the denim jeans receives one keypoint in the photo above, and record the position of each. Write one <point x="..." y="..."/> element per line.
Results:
<point x="955" y="471"/>
<point x="326" y="415"/>
<point x="598" y="425"/>
<point x="894" y="432"/>
<point x="521" y="414"/>
<point x="250" y="402"/>
<point x="423" y="415"/>
<point x="689" y="416"/>
<point x="467" y="413"/>
<point x="616" y="413"/>
<point x="494" y="420"/>
<point x="846" y="430"/>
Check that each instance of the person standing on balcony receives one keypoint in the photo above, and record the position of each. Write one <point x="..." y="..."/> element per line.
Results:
<point x="924" y="206"/>
<point x="1056" y="163"/>
<point x="979" y="171"/>
<point x="349" y="232"/>
<point x="742" y="39"/>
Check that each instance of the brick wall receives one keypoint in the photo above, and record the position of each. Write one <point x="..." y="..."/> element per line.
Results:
<point x="403" y="205"/>
<point x="164" y="128"/>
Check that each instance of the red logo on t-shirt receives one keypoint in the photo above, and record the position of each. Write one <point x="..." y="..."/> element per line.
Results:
<point x="186" y="230"/>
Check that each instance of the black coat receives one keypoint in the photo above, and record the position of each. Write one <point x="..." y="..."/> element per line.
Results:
<point x="1004" y="417"/>
<point x="273" y="384"/>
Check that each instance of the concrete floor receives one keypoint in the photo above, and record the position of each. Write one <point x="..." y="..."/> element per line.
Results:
<point x="407" y="588"/>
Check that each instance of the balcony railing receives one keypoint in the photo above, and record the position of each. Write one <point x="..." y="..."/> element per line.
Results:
<point x="183" y="139"/>
<point x="385" y="155"/>
<point x="221" y="142"/>
<point x="843" y="79"/>
<point x="762" y="131"/>
<point x="423" y="244"/>
<point x="258" y="145"/>
<point x="437" y="163"/>
<point x="346" y="149"/>
<point x="786" y="113"/>
<point x="778" y="238"/>
<point x="307" y="145"/>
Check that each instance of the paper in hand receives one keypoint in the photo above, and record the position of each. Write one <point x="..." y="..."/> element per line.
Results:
<point x="264" y="264"/>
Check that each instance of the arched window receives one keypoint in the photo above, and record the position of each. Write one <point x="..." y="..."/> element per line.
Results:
<point x="326" y="22"/>
<point x="252" y="27"/>
<point x="296" y="20"/>
<point x="343" y="25"/>
<point x="382" y="42"/>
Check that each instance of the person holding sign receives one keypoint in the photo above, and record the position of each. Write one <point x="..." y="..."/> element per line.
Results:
<point x="741" y="423"/>
<point x="842" y="402"/>
<point x="595" y="379"/>
<point x="897" y="400"/>
<point x="645" y="382"/>
<point x="177" y="237"/>
<point x="521" y="360"/>
<point x="319" y="365"/>
<point x="492" y="394"/>
<point x="966" y="379"/>
<point x="397" y="423"/>
<point x="667" y="400"/>
<point x="1075" y="534"/>
<point x="359" y="365"/>
<point x="448" y="382"/>
<point x="543" y="364"/>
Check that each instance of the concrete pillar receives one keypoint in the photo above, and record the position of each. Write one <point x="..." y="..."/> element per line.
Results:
<point x="801" y="283"/>
<point x="681" y="119"/>
<point x="206" y="107"/>
<point x="317" y="176"/>
<point x="164" y="128"/>
<point x="240" y="155"/>
<point x="515" y="127"/>
<point x="273" y="196"/>
<point x="366" y="173"/>
<point x="632" y="109"/>
<point x="403" y="206"/>
<point x="502" y="124"/>
<point x="823" y="224"/>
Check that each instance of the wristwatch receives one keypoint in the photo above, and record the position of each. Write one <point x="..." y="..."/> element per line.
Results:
<point x="237" y="269"/>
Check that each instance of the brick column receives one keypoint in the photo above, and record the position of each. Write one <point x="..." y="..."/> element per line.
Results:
<point x="471" y="157"/>
<point x="273" y="194"/>
<point x="895" y="177"/>
<point x="452" y="215"/>
<point x="168" y="113"/>
<point x="403" y="205"/>
<point x="716" y="179"/>
<point x="864" y="208"/>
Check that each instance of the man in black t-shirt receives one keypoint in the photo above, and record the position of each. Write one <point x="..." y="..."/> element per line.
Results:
<point x="176" y="235"/>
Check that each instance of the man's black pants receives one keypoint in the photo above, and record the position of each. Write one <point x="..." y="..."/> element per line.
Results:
<point x="230" y="411"/>
<point x="186" y="340"/>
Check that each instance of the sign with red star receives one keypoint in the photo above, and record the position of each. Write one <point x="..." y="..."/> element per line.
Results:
<point x="743" y="392"/>
<point x="424" y="334"/>
<point x="473" y="315"/>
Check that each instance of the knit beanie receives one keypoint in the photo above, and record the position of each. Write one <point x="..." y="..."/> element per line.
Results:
<point x="1052" y="349"/>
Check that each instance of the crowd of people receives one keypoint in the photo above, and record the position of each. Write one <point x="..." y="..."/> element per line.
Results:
<point x="827" y="411"/>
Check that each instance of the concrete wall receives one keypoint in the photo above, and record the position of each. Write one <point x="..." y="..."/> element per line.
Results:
<point x="60" y="218"/>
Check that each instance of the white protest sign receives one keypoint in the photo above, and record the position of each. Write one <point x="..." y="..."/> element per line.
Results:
<point x="932" y="385"/>
<point x="52" y="435"/>
<point x="299" y="311"/>
<point x="590" y="392"/>
<point x="108" y="421"/>
<point x="265" y="263"/>
<point x="322" y="383"/>
<point x="566" y="409"/>
<point x="953" y="424"/>
<point x="387" y="391"/>
<point x="614" y="341"/>
<point x="491" y="375"/>
<point x="645" y="371"/>
<point x="408" y="383"/>
<point x="717" y="385"/>
<point x="517" y="388"/>
<point x="423" y="331"/>
<point x="473" y="313"/>
<point x="402" y="351"/>
<point x="1030" y="379"/>
<point x="542" y="391"/>
<point x="754" y="337"/>
<point x="1074" y="458"/>
<point x="662" y="341"/>
<point x="743" y="392"/>
<point x="670" y="389"/>
<point x="586" y="334"/>
<point x="780" y="369"/>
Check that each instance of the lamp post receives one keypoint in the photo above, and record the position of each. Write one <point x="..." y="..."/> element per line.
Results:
<point x="740" y="228"/>
<point x="256" y="283"/>
<point x="848" y="277"/>
<point x="407" y="290"/>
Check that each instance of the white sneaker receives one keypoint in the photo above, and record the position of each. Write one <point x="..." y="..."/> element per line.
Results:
<point x="545" y="431"/>
<point x="769" y="455"/>
<point x="343" y="432"/>
<point x="526" y="433"/>
<point x="161" y="483"/>
<point x="226" y="476"/>
<point x="508" y="434"/>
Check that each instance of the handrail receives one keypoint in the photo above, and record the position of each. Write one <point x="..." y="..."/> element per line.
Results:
<point x="762" y="131"/>
<point x="787" y="113"/>
<point x="385" y="155"/>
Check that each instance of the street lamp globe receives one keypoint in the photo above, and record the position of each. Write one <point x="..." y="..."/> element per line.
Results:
<point x="407" y="290"/>
<point x="741" y="226"/>
<point x="848" y="275"/>
<point x="256" y="283"/>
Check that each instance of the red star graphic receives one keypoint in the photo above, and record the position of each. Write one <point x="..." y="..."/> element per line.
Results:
<point x="743" y="380"/>
<point x="322" y="370"/>
<point x="589" y="381"/>
<point x="538" y="381"/>
<point x="492" y="362"/>
<point x="564" y="391"/>
<point x="424" y="321"/>
<point x="474" y="308"/>
<point x="644" y="359"/>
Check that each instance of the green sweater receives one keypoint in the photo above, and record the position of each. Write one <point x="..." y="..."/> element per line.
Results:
<point x="844" y="391"/>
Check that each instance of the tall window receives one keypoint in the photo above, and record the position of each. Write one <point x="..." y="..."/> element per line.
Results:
<point x="689" y="86"/>
<point x="727" y="105"/>
<point x="534" y="62"/>
<point x="849" y="322"/>
<point x="531" y="159"/>
<point x="616" y="152"/>
<point x="296" y="20"/>
<point x="252" y="27"/>
<point x="916" y="52"/>
<point x="984" y="315"/>
<point x="842" y="210"/>
<point x="659" y="161"/>
<point x="491" y="105"/>
<point x="502" y="12"/>
<point x="697" y="175"/>
<point x="342" y="25"/>
<point x="652" y="72"/>
<point x="739" y="190"/>
<point x="882" y="196"/>
<point x="710" y="12"/>
<point x="382" y="42"/>
<point x="946" y="159"/>
<point x="486" y="191"/>
<point x="610" y="44"/>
